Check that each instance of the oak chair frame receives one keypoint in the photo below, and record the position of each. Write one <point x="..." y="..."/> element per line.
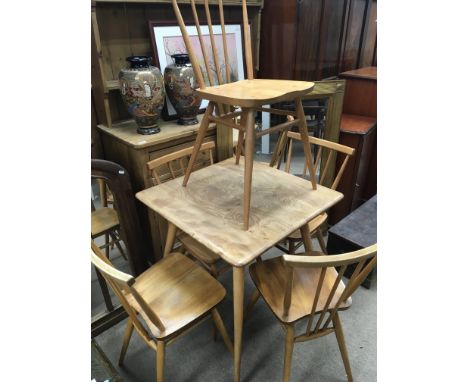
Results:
<point x="176" y="163"/>
<point x="294" y="241"/>
<point x="122" y="285"/>
<point x="226" y="104"/>
<point x="366" y="260"/>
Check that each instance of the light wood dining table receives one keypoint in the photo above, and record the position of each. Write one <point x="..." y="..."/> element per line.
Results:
<point x="209" y="208"/>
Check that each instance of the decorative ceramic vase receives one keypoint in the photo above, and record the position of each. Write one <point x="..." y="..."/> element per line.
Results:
<point x="142" y="90"/>
<point x="180" y="87"/>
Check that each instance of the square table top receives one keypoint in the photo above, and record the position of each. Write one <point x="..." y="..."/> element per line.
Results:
<point x="210" y="210"/>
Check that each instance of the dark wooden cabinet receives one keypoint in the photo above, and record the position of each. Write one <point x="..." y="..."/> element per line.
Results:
<point x="315" y="39"/>
<point x="358" y="129"/>
<point x="359" y="133"/>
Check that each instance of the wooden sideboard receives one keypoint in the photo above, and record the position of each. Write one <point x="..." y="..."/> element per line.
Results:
<point x="123" y="145"/>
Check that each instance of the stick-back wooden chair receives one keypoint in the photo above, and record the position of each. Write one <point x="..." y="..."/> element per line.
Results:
<point x="105" y="222"/>
<point x="149" y="301"/>
<point x="249" y="95"/>
<point x="309" y="287"/>
<point x="172" y="166"/>
<point x="324" y="150"/>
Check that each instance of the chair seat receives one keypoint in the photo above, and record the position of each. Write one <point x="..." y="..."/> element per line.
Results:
<point x="270" y="277"/>
<point x="258" y="92"/>
<point x="103" y="220"/>
<point x="197" y="249"/>
<point x="179" y="291"/>
<point x="313" y="225"/>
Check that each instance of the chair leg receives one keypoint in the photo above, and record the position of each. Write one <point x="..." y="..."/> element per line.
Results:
<point x="214" y="271"/>
<point x="198" y="142"/>
<point x="252" y="301"/>
<point x="222" y="330"/>
<point x="126" y="341"/>
<point x="104" y="290"/>
<point x="321" y="241"/>
<point x="342" y="345"/>
<point x="305" y="141"/>
<point x="288" y="352"/>
<point x="107" y="245"/>
<point x="119" y="247"/>
<point x="240" y="143"/>
<point x="249" y="154"/>
<point x="291" y="247"/>
<point x="160" y="353"/>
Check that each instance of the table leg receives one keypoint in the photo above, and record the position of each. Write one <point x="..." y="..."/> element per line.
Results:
<point x="238" y="284"/>
<point x="305" y="233"/>
<point x="170" y="238"/>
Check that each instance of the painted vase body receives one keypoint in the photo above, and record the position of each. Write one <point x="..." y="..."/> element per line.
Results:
<point x="142" y="89"/>
<point x="181" y="83"/>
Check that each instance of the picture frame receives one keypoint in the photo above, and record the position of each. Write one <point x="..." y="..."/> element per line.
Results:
<point x="167" y="39"/>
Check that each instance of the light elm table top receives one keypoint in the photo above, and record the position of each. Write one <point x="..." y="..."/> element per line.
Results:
<point x="210" y="207"/>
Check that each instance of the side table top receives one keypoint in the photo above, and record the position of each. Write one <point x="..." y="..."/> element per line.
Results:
<point x="210" y="208"/>
<point x="125" y="132"/>
<point x="367" y="73"/>
<point x="360" y="226"/>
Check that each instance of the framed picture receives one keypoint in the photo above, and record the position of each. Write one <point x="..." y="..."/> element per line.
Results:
<point x="167" y="40"/>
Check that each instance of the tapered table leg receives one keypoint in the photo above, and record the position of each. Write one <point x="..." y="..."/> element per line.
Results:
<point x="170" y="238"/>
<point x="305" y="233"/>
<point x="238" y="286"/>
<point x="198" y="142"/>
<point x="305" y="141"/>
<point x="248" y="162"/>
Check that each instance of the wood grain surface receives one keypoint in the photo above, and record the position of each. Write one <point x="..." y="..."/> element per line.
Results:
<point x="210" y="208"/>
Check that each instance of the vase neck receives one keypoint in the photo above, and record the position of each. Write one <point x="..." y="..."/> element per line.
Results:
<point x="139" y="61"/>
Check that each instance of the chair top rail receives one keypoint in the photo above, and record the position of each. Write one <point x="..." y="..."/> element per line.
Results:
<point x="307" y="259"/>
<point x="323" y="142"/>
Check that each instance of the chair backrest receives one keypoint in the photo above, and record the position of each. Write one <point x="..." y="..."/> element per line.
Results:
<point x="365" y="260"/>
<point x="122" y="285"/>
<point x="321" y="144"/>
<point x="173" y="165"/>
<point x="221" y="77"/>
<point x="118" y="180"/>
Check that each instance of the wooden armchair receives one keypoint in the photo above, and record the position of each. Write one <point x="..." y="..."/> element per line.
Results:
<point x="249" y="95"/>
<point x="149" y="301"/>
<point x="295" y="239"/>
<point x="172" y="166"/>
<point x="302" y="287"/>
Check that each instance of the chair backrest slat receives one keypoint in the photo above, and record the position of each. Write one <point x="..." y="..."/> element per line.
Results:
<point x="247" y="41"/>
<point x="325" y="169"/>
<point x="219" y="70"/>
<point x="331" y="149"/>
<point x="202" y="44"/>
<point x="169" y="164"/>
<point x="225" y="48"/>
<point x="330" y="297"/>
<point x="316" y="298"/>
<point x="356" y="272"/>
<point x="188" y="45"/>
<point x="365" y="260"/>
<point x="213" y="43"/>
<point x="178" y="158"/>
<point x="317" y="161"/>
